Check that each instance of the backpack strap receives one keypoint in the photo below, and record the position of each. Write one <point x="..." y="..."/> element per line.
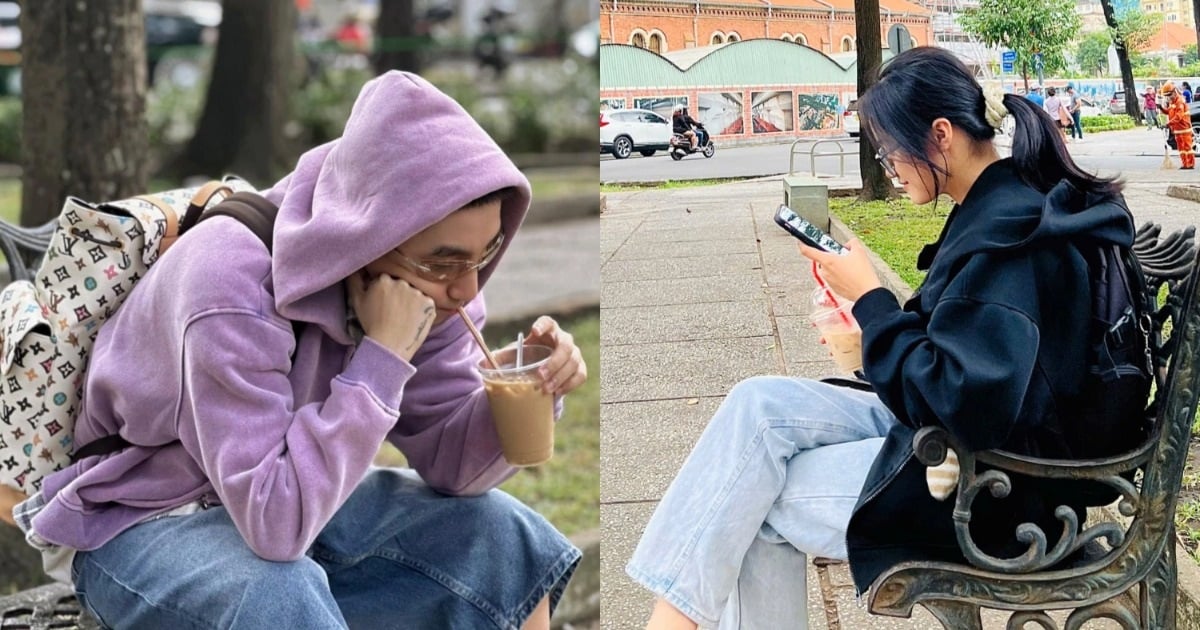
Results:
<point x="256" y="213"/>
<point x="251" y="210"/>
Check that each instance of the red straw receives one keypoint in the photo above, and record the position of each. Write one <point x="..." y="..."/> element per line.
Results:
<point x="829" y="294"/>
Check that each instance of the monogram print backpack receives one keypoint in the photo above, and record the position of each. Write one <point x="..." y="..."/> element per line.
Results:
<point x="48" y="325"/>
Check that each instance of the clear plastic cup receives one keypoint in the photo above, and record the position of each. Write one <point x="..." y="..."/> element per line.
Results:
<point x="837" y="326"/>
<point x="522" y="412"/>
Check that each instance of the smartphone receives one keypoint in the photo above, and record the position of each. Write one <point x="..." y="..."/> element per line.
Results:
<point x="808" y="233"/>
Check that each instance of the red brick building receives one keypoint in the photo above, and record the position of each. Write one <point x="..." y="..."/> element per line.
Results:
<point x="825" y="25"/>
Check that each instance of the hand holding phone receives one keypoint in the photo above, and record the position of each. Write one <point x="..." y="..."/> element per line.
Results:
<point x="808" y="233"/>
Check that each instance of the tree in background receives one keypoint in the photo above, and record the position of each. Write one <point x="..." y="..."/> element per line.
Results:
<point x="1189" y="55"/>
<point x="397" y="46"/>
<point x="1137" y="28"/>
<point x="242" y="127"/>
<point x="1026" y="27"/>
<point x="1092" y="53"/>
<point x="1119" y="33"/>
<point x="84" y="103"/>
<point x="1196" y="16"/>
<point x="876" y="184"/>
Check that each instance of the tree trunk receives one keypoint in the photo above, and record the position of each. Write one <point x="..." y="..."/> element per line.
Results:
<point x="1132" y="107"/>
<point x="1196" y="19"/>
<point x="241" y="128"/>
<point x="1025" y="75"/>
<point x="84" y="103"/>
<point x="876" y="184"/>
<point x="396" y="44"/>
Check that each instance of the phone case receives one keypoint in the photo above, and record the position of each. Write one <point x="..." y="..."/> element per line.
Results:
<point x="808" y="233"/>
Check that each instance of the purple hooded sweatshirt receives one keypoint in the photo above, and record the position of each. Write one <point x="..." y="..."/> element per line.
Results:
<point x="201" y="372"/>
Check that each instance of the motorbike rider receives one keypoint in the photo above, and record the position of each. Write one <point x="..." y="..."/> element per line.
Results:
<point x="701" y="132"/>
<point x="682" y="124"/>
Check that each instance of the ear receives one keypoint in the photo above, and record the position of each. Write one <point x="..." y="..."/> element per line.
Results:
<point x="943" y="133"/>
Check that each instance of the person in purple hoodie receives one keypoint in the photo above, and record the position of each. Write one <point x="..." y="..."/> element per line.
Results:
<point x="248" y="498"/>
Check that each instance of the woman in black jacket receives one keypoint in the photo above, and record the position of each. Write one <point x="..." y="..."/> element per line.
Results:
<point x="993" y="347"/>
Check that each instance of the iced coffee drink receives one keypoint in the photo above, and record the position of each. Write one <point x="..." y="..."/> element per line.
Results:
<point x="522" y="412"/>
<point x="839" y="329"/>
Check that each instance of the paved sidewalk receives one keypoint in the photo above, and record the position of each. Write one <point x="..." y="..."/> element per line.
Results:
<point x="551" y="268"/>
<point x="700" y="290"/>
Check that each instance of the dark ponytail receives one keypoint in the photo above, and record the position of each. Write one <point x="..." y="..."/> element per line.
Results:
<point x="1041" y="155"/>
<point x="926" y="83"/>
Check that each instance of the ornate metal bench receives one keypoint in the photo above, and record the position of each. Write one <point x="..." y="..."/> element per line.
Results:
<point x="1130" y="577"/>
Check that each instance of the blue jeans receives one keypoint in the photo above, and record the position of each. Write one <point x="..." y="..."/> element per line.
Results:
<point x="774" y="477"/>
<point x="1076" y="126"/>
<point x="396" y="555"/>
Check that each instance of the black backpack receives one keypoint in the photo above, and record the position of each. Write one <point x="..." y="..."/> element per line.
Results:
<point x="1116" y="388"/>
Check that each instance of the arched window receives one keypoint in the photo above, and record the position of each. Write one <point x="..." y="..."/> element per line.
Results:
<point x="657" y="43"/>
<point x="847" y="44"/>
<point x="801" y="39"/>
<point x="717" y="38"/>
<point x="733" y="37"/>
<point x="787" y="38"/>
<point x="638" y="39"/>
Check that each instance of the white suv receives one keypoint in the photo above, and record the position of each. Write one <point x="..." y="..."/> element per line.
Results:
<point x="624" y="131"/>
<point x="850" y="119"/>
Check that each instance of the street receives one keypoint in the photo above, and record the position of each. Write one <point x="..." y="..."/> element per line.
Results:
<point x="1130" y="152"/>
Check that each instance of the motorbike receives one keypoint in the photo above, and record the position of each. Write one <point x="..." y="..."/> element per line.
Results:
<point x="681" y="146"/>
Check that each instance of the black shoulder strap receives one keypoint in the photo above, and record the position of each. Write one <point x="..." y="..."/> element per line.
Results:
<point x="253" y="211"/>
<point x="256" y="213"/>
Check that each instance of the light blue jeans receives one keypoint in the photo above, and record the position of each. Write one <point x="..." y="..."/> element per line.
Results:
<point x="774" y="477"/>
<point x="396" y="555"/>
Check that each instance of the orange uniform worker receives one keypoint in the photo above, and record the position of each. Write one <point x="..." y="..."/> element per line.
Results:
<point x="1179" y="120"/>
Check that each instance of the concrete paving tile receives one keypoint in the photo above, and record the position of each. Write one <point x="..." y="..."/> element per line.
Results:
<point x="643" y="445"/>
<point x="692" y="369"/>
<point x="684" y="322"/>
<point x="616" y="294"/>
<point x="688" y="267"/>
<point x="624" y="605"/>
<point x="786" y="299"/>
<point x="684" y="232"/>
<point x="803" y="352"/>
<point x="657" y="249"/>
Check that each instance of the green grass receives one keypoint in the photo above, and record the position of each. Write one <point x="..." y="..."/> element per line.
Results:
<point x="566" y="490"/>
<point x="10" y="200"/>
<point x="669" y="184"/>
<point x="562" y="182"/>
<point x="895" y="229"/>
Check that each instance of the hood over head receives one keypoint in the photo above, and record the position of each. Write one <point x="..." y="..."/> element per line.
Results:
<point x="409" y="156"/>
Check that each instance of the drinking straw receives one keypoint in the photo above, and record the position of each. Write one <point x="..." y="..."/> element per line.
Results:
<point x="829" y="294"/>
<point x="520" y="347"/>
<point x="478" y="338"/>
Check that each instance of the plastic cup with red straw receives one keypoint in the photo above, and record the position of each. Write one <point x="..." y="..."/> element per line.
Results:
<point x="829" y="294"/>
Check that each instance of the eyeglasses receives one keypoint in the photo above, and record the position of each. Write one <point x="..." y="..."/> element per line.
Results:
<point x="449" y="269"/>
<point x="886" y="163"/>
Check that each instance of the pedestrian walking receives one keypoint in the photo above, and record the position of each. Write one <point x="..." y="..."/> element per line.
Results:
<point x="1058" y="111"/>
<point x="1150" y="108"/>
<point x="1074" y="103"/>
<point x="1179" y="121"/>
<point x="1035" y="95"/>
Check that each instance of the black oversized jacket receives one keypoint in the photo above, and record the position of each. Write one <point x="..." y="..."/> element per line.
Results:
<point x="993" y="348"/>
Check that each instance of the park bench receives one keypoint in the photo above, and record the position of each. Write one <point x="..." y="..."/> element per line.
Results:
<point x="1121" y="564"/>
